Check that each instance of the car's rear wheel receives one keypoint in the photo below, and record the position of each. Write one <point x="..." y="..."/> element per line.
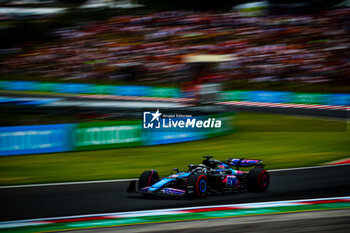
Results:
<point x="148" y="178"/>
<point x="258" y="180"/>
<point x="199" y="184"/>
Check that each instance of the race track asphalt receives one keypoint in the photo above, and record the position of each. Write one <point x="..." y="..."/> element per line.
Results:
<point x="78" y="199"/>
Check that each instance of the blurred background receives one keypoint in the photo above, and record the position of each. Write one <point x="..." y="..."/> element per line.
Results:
<point x="280" y="45"/>
<point x="76" y="76"/>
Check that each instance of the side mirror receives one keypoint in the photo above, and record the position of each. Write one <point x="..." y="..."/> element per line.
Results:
<point x="176" y="169"/>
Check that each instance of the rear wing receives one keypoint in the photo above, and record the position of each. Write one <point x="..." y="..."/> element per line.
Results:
<point x="245" y="162"/>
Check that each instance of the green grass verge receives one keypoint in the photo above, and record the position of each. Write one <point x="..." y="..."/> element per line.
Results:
<point x="281" y="141"/>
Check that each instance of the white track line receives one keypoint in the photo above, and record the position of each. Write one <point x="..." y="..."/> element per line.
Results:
<point x="66" y="183"/>
<point x="303" y="168"/>
<point x="134" y="179"/>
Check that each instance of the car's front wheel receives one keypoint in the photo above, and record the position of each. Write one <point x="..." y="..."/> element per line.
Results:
<point x="198" y="184"/>
<point x="148" y="178"/>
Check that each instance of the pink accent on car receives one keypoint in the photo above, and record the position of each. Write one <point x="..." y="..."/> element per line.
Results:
<point x="150" y="178"/>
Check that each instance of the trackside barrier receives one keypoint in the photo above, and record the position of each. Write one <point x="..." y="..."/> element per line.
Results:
<point x="19" y="140"/>
<point x="35" y="139"/>
<point x="286" y="97"/>
<point x="82" y="88"/>
<point x="170" y="92"/>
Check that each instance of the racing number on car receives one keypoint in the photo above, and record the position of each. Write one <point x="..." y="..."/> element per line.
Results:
<point x="231" y="180"/>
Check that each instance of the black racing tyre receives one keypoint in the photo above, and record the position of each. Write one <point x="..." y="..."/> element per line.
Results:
<point x="258" y="180"/>
<point x="148" y="178"/>
<point x="199" y="182"/>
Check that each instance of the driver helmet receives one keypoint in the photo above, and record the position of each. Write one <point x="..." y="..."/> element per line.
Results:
<point x="200" y="169"/>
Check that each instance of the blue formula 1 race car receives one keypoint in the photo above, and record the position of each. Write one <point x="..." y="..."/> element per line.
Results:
<point x="212" y="176"/>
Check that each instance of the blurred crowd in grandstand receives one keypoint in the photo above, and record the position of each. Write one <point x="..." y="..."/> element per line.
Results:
<point x="151" y="47"/>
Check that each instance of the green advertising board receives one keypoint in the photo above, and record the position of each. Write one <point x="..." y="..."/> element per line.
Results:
<point x="166" y="92"/>
<point x="103" y="135"/>
<point x="307" y="98"/>
<point x="3" y="85"/>
<point x="101" y="89"/>
<point x="233" y="95"/>
<point x="46" y="87"/>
